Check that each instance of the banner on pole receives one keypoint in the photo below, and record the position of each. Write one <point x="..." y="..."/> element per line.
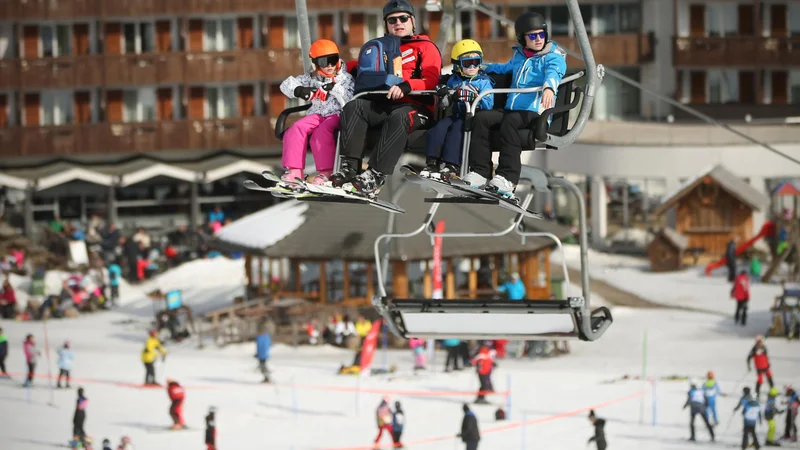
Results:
<point x="370" y="342"/>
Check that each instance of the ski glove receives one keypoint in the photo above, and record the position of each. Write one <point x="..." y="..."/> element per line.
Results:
<point x="466" y="95"/>
<point x="303" y="92"/>
<point x="445" y="96"/>
<point x="405" y="87"/>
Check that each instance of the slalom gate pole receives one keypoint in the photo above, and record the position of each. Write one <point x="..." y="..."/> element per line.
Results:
<point x="508" y="396"/>
<point x="358" y="394"/>
<point x="655" y="400"/>
<point x="524" y="421"/>
<point x="644" y="374"/>
<point x="49" y="371"/>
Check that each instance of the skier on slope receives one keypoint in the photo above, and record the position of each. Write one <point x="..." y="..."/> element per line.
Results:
<point x="792" y="404"/>
<point x="65" y="357"/>
<point x="398" y="423"/>
<point x="770" y="412"/>
<point x="751" y="414"/>
<point x="743" y="399"/>
<point x="599" y="437"/>
<point x="759" y="354"/>
<point x="263" y="344"/>
<point x="697" y="401"/>
<point x="211" y="429"/>
<point x="383" y="416"/>
<point x="484" y="361"/>
<point x="149" y="355"/>
<point x="79" y="418"/>
<point x="470" y="434"/>
<point x="31" y="355"/>
<point x="711" y="391"/>
<point x="176" y="396"/>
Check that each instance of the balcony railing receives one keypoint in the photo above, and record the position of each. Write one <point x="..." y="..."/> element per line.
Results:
<point x="747" y="51"/>
<point x="137" y="137"/>
<point x="63" y="9"/>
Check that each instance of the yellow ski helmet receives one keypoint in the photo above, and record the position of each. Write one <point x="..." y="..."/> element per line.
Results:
<point x="774" y="392"/>
<point x="464" y="46"/>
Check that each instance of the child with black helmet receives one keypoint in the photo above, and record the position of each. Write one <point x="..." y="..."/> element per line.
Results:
<point x="443" y="142"/>
<point x="537" y="62"/>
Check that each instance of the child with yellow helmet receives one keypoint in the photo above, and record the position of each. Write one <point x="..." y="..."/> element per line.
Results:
<point x="443" y="142"/>
<point x="322" y="119"/>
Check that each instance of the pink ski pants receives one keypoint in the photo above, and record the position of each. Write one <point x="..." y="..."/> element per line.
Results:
<point x="323" y="143"/>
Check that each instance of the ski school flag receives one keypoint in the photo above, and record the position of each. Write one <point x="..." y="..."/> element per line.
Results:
<point x="370" y="343"/>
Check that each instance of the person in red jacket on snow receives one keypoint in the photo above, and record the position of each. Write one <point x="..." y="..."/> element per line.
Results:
<point x="176" y="395"/>
<point x="484" y="362"/>
<point x="397" y="113"/>
<point x="759" y="355"/>
<point x="741" y="293"/>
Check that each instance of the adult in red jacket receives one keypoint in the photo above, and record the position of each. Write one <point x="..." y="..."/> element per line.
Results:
<point x="759" y="354"/>
<point x="484" y="363"/>
<point x="176" y="395"/>
<point x="398" y="114"/>
<point x="741" y="293"/>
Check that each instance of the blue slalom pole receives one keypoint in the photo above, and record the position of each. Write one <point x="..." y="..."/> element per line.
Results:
<point x="508" y="397"/>
<point x="655" y="402"/>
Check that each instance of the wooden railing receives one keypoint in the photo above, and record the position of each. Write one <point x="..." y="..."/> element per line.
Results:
<point x="736" y="51"/>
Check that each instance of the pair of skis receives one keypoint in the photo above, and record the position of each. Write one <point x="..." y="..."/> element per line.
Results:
<point x="459" y="191"/>
<point x="303" y="191"/>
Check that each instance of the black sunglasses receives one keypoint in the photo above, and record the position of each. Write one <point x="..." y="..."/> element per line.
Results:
<point x="393" y="20"/>
<point x="327" y="60"/>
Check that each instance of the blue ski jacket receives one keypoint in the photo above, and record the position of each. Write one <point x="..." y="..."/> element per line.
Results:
<point x="481" y="82"/>
<point x="263" y="343"/>
<point x="546" y="68"/>
<point x="752" y="412"/>
<point x="711" y="389"/>
<point x="514" y="289"/>
<point x="65" y="357"/>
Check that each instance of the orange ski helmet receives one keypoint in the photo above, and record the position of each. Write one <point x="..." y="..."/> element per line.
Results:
<point x="324" y="48"/>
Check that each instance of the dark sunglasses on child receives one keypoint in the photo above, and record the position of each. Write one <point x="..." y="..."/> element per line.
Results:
<point x="393" y="20"/>
<point x="327" y="60"/>
<point x="468" y="62"/>
<point x="541" y="35"/>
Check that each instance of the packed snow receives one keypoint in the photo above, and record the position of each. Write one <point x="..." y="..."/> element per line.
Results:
<point x="311" y="407"/>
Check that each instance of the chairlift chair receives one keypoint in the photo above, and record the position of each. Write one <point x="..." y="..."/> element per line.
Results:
<point x="529" y="319"/>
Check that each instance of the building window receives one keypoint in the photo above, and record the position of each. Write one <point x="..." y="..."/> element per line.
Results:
<point x="723" y="86"/>
<point x="57" y="108"/>
<point x="139" y="37"/>
<point x="222" y="102"/>
<point x="722" y="19"/>
<point x="616" y="100"/>
<point x="629" y="18"/>
<point x="374" y="27"/>
<point x="794" y="87"/>
<point x="605" y="21"/>
<point x="220" y="35"/>
<point x="465" y="24"/>
<point x="559" y="21"/>
<point x="293" y="31"/>
<point x="56" y="40"/>
<point x="140" y="105"/>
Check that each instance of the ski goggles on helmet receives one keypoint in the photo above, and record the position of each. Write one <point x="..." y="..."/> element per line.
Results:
<point x="402" y="19"/>
<point x="540" y="35"/>
<point x="327" y="60"/>
<point x="468" y="62"/>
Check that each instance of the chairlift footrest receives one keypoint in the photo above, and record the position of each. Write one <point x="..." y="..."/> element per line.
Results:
<point x="463" y="200"/>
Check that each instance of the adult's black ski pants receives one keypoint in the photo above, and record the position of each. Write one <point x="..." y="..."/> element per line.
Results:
<point x="741" y="312"/>
<point x="150" y="373"/>
<point x="471" y="445"/>
<point x="452" y="356"/>
<point x="397" y="121"/>
<point x="507" y="123"/>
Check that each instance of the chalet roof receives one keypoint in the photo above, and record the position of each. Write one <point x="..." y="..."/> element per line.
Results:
<point x="728" y="181"/>
<point x="680" y="241"/>
<point x="334" y="230"/>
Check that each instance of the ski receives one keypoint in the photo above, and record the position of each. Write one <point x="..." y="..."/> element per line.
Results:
<point x="277" y="191"/>
<point x="440" y="187"/>
<point x="503" y="201"/>
<point x="169" y="429"/>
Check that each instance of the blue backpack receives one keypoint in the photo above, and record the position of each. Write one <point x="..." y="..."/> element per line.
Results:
<point x="380" y="64"/>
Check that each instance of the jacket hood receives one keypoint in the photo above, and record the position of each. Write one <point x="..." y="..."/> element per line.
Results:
<point x="549" y="47"/>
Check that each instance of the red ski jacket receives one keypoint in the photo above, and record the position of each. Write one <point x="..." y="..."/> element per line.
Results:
<point x="760" y="357"/>
<point x="422" y="67"/>
<point x="484" y="361"/>
<point x="741" y="288"/>
<point x="175" y="391"/>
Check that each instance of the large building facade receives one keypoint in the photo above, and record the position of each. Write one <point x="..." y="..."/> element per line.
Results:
<point x="89" y="82"/>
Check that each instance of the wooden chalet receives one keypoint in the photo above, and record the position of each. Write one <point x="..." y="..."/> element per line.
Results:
<point x="324" y="251"/>
<point x="666" y="250"/>
<point x="713" y="208"/>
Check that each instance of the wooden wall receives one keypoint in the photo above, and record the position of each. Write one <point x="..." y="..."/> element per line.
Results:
<point x="663" y="255"/>
<point x="710" y="224"/>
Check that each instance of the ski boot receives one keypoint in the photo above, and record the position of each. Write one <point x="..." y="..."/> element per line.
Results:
<point x="431" y="169"/>
<point x="367" y="184"/>
<point x="347" y="172"/>
<point x="450" y="171"/>
<point x="289" y="179"/>
<point x="475" y="180"/>
<point x="500" y="186"/>
<point x="321" y="178"/>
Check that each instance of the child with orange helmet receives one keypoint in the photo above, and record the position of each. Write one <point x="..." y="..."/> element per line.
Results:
<point x="327" y="88"/>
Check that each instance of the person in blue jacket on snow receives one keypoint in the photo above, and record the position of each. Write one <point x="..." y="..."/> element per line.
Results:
<point x="263" y="344"/>
<point x="697" y="401"/>
<point x="752" y="414"/>
<point x="711" y="391"/>
<point x="514" y="288"/>
<point x="65" y="357"/>
<point x="537" y="62"/>
<point x="443" y="142"/>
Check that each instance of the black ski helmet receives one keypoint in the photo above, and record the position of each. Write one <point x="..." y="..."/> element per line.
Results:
<point x="529" y="21"/>
<point x="393" y="6"/>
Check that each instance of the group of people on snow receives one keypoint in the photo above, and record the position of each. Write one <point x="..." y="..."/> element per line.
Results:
<point x="536" y="62"/>
<point x="702" y="401"/>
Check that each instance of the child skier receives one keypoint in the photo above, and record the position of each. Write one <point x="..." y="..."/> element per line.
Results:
<point x="398" y="422"/>
<point x="322" y="119"/>
<point x="697" y="401"/>
<point x="418" y="348"/>
<point x="792" y="404"/>
<point x="484" y="362"/>
<point x="383" y="416"/>
<point x="79" y="418"/>
<point x="759" y="354"/>
<point x="211" y="429"/>
<point x="770" y="412"/>
<point x="151" y="346"/>
<point x="263" y="344"/>
<point x="65" y="358"/>
<point x="443" y="142"/>
<point x="599" y="437"/>
<point x="751" y="414"/>
<point x="31" y="354"/>
<point x="711" y="391"/>
<point x="537" y="62"/>
<point x="176" y="396"/>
